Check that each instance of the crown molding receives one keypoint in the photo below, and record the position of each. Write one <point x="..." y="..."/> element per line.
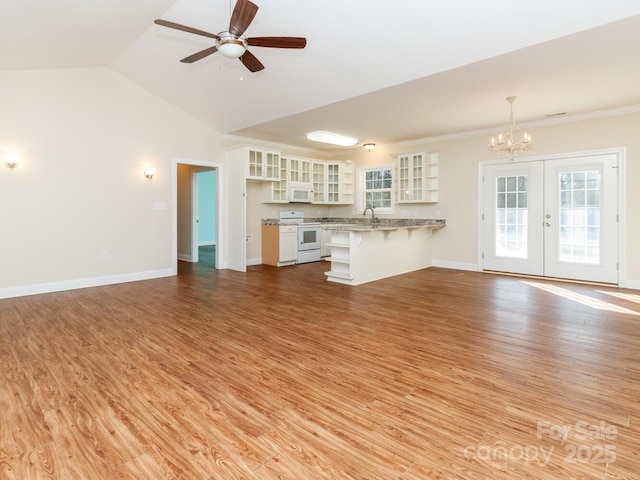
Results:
<point x="236" y="140"/>
<point x="578" y="117"/>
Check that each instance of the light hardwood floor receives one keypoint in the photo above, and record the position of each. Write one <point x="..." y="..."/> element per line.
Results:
<point x="278" y="374"/>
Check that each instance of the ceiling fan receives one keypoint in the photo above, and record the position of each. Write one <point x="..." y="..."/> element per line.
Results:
<point x="233" y="43"/>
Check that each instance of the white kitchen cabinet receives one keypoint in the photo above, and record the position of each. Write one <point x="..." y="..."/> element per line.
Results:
<point x="279" y="245"/>
<point x="260" y="164"/>
<point x="276" y="192"/>
<point x="288" y="245"/>
<point x="319" y="181"/>
<point x="340" y="182"/>
<point x="417" y="177"/>
<point x="332" y="182"/>
<point x="299" y="170"/>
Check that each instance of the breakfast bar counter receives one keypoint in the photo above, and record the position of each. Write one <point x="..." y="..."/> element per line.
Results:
<point x="363" y="252"/>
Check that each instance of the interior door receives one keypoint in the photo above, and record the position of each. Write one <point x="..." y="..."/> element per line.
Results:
<point x="555" y="218"/>
<point x="581" y="218"/>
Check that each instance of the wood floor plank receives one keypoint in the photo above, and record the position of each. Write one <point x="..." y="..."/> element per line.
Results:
<point x="278" y="374"/>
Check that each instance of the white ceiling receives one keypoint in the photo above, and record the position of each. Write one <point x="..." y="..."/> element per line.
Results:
<point x="381" y="71"/>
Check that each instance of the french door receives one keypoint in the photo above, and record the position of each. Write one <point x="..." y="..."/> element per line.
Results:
<point x="555" y="218"/>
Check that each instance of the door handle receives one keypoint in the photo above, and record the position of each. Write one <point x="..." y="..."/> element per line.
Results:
<point x="547" y="224"/>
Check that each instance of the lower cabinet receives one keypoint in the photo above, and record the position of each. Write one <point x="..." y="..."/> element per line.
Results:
<point x="279" y="245"/>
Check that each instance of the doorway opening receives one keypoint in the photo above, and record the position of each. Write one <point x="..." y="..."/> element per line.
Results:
<point x="197" y="220"/>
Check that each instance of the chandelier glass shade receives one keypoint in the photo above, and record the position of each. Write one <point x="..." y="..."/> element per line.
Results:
<point x="504" y="142"/>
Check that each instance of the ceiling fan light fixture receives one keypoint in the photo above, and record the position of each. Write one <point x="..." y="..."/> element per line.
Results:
<point x="232" y="43"/>
<point x="232" y="47"/>
<point x="331" y="138"/>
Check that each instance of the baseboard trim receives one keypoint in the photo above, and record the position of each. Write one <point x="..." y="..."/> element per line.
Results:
<point x="470" y="267"/>
<point x="632" y="284"/>
<point x="254" y="261"/>
<point x="52" y="287"/>
<point x="185" y="258"/>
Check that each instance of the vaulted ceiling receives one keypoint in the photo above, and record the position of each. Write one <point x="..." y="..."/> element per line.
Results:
<point x="379" y="71"/>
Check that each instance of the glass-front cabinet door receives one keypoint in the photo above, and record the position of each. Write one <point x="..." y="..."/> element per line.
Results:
<point x="255" y="163"/>
<point x="417" y="177"/>
<point x="333" y="183"/>
<point x="319" y="182"/>
<point x="299" y="170"/>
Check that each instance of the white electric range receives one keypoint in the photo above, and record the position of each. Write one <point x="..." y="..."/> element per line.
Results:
<point x="309" y="234"/>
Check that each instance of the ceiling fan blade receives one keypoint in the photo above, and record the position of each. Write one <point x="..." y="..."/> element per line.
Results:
<point x="200" y="55"/>
<point x="242" y="16"/>
<point x="278" y="42"/>
<point x="184" y="28"/>
<point x="250" y="61"/>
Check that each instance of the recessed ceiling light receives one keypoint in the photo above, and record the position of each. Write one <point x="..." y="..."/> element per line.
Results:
<point x="332" y="138"/>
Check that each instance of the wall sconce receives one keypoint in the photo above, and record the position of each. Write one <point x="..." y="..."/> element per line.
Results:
<point x="149" y="172"/>
<point x="369" y="146"/>
<point x="11" y="160"/>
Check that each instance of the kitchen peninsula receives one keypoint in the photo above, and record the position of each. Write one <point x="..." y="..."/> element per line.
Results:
<point x="363" y="252"/>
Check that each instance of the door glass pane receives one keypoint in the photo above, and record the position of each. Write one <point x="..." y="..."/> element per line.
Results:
<point x="580" y="216"/>
<point x="511" y="216"/>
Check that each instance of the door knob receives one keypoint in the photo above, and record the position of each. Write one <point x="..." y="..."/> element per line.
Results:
<point x="547" y="224"/>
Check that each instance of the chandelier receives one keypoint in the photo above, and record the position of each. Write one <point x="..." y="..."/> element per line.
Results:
<point x="504" y="142"/>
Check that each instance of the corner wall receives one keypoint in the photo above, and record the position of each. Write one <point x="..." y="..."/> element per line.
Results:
<point x="77" y="210"/>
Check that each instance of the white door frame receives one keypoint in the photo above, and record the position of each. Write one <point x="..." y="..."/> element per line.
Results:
<point x="621" y="152"/>
<point x="220" y="245"/>
<point x="195" y="215"/>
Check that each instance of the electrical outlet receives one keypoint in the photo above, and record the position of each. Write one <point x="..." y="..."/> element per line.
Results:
<point x="249" y="238"/>
<point x="105" y="256"/>
<point x="437" y="213"/>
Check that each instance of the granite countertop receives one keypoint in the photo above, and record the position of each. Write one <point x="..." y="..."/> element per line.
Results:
<point x="364" y="224"/>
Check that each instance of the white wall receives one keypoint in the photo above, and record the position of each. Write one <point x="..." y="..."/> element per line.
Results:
<point x="85" y="137"/>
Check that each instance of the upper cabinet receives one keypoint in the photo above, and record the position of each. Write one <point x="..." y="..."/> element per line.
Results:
<point x="261" y="164"/>
<point x="332" y="181"/>
<point x="319" y="181"/>
<point x="340" y="182"/>
<point x="418" y="177"/>
<point x="299" y="170"/>
<point x="276" y="192"/>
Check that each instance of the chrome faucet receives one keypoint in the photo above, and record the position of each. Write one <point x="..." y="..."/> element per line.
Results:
<point x="374" y="219"/>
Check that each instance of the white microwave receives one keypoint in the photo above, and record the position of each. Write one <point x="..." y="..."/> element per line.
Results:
<point x="300" y="194"/>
